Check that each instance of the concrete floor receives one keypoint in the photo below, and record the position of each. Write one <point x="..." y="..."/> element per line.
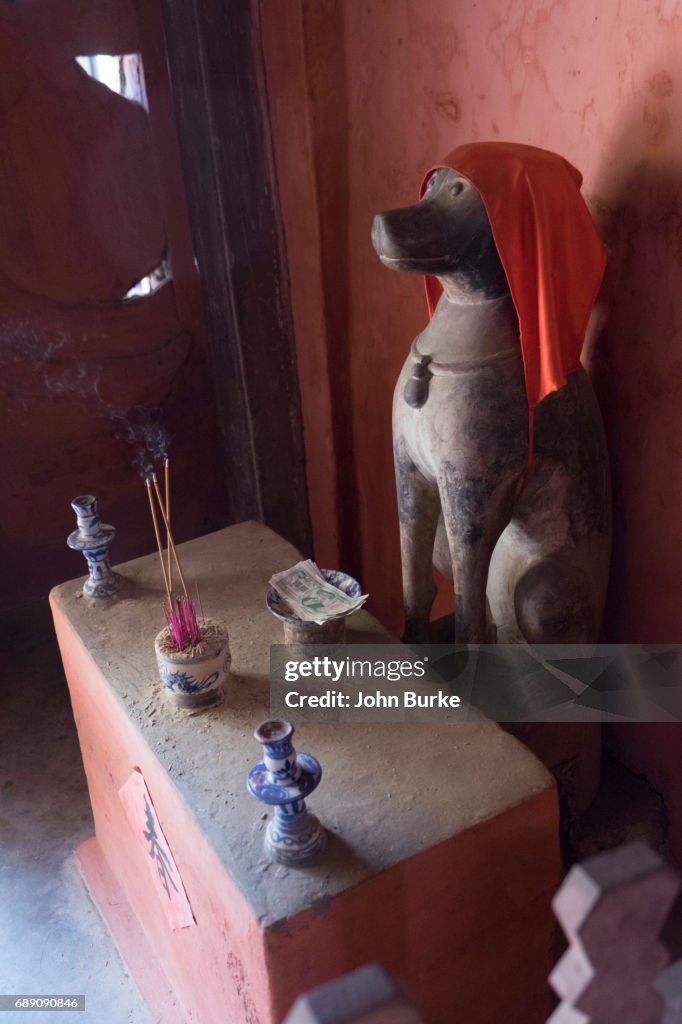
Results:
<point x="52" y="939"/>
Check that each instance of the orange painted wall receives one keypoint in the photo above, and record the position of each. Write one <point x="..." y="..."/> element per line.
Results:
<point x="365" y="96"/>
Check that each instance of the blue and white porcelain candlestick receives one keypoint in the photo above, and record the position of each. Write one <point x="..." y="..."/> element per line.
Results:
<point x="283" y="779"/>
<point x="92" y="539"/>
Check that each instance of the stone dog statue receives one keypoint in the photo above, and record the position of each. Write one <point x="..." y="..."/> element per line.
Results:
<point x="500" y="455"/>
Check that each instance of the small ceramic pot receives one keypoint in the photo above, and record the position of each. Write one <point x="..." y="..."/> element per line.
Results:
<point x="296" y="631"/>
<point x="195" y="681"/>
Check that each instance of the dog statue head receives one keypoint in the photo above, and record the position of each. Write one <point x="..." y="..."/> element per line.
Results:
<point x="446" y="235"/>
<point x="502" y="215"/>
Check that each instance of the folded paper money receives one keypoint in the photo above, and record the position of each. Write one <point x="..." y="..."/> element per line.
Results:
<point x="310" y="596"/>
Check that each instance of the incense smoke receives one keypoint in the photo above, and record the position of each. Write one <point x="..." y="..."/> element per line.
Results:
<point x="142" y="427"/>
<point x="42" y="354"/>
<point x="20" y="343"/>
<point x="25" y="354"/>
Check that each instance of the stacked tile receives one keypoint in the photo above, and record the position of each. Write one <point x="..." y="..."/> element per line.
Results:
<point x="612" y="908"/>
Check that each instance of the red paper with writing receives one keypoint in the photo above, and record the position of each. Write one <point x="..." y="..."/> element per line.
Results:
<point x="137" y="803"/>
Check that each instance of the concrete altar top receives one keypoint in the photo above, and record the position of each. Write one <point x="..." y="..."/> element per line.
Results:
<point x="388" y="792"/>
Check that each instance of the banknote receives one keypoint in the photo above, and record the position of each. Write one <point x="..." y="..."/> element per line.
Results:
<point x="310" y="596"/>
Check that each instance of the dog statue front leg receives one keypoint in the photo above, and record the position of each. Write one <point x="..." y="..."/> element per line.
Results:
<point x="475" y="512"/>
<point x="418" y="511"/>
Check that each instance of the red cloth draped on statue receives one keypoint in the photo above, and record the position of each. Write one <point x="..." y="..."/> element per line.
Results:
<point x="549" y="247"/>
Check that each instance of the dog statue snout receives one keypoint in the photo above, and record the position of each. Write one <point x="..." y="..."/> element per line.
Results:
<point x="380" y="237"/>
<point x="396" y="237"/>
<point x="411" y="239"/>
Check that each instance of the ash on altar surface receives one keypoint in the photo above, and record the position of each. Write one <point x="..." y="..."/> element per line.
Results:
<point x="213" y="638"/>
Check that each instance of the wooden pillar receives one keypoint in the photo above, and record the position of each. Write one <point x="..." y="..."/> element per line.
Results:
<point x="215" y="65"/>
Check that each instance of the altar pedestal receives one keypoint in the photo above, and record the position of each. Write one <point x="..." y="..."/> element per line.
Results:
<point x="442" y="852"/>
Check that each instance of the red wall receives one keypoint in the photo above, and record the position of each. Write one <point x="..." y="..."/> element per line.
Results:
<point x="365" y="96"/>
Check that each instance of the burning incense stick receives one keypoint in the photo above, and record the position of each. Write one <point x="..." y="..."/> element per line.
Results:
<point x="166" y="473"/>
<point x="158" y="539"/>
<point x="180" y="615"/>
<point x="171" y="542"/>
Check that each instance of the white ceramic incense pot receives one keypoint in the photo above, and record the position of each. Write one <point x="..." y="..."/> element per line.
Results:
<point x="195" y="677"/>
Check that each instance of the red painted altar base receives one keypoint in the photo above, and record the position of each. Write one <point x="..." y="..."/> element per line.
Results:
<point x="444" y="878"/>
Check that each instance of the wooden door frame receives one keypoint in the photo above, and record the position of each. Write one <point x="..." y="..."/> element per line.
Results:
<point x="217" y="80"/>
